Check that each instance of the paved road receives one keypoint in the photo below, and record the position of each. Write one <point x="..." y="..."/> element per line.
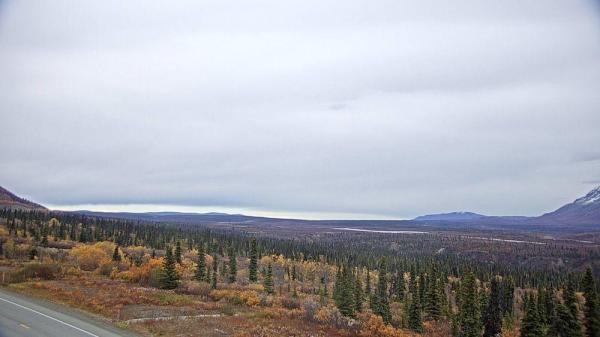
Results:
<point x="22" y="316"/>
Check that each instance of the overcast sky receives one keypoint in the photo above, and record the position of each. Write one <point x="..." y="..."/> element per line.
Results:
<point x="304" y="108"/>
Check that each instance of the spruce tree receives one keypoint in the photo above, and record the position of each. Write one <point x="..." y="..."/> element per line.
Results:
<point x="232" y="265"/>
<point x="344" y="298"/>
<point x="200" y="274"/>
<point x="400" y="286"/>
<point x="44" y="242"/>
<point x="33" y="253"/>
<point x="493" y="313"/>
<point x="541" y="306"/>
<point x="550" y="307"/>
<point x="170" y="276"/>
<point x="368" y="284"/>
<point x="415" y="322"/>
<point x="381" y="301"/>
<point x="432" y="296"/>
<point x="215" y="273"/>
<point x="422" y="283"/>
<point x="268" y="280"/>
<point x="468" y="319"/>
<point x="530" y="326"/>
<point x="337" y="286"/>
<point x="560" y="321"/>
<point x="592" y="306"/>
<point x="178" y="252"/>
<point x="508" y="298"/>
<point x="359" y="295"/>
<point x="116" y="256"/>
<point x="252" y="268"/>
<point x="571" y="304"/>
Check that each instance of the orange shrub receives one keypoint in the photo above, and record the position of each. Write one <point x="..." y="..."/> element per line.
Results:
<point x="248" y="297"/>
<point x="373" y="326"/>
<point x="138" y="274"/>
<point x="330" y="315"/>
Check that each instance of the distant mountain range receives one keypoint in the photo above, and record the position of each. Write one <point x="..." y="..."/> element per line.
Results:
<point x="584" y="211"/>
<point x="456" y="216"/>
<point x="179" y="217"/>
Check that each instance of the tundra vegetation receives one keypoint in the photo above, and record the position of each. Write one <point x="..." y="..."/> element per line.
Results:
<point x="173" y="279"/>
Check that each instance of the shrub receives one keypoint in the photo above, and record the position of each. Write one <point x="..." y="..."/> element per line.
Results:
<point x="290" y="303"/>
<point x="155" y="276"/>
<point x="265" y="300"/>
<point x="88" y="257"/>
<point x="310" y="309"/>
<point x="194" y="288"/>
<point x="227" y="310"/>
<point x="44" y="271"/>
<point x="247" y="297"/>
<point x="373" y="326"/>
<point x="105" y="268"/>
<point x="73" y="271"/>
<point x="332" y="316"/>
<point x="138" y="274"/>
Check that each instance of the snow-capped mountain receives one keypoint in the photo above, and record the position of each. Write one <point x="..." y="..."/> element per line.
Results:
<point x="590" y="198"/>
<point x="583" y="210"/>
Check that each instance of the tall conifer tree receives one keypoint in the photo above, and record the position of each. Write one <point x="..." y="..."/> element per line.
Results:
<point x="201" y="273"/>
<point x="493" y="314"/>
<point x="253" y="267"/>
<point x="592" y="306"/>
<point x="170" y="276"/>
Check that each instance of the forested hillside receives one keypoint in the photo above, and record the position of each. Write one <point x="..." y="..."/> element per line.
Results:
<point x="348" y="284"/>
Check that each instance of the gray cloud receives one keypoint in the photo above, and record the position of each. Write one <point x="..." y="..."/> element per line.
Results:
<point x="387" y="108"/>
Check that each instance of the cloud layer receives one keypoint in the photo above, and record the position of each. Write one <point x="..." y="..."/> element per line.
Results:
<point x="377" y="108"/>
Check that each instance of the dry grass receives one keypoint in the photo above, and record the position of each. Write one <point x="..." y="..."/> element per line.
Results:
<point x="121" y="301"/>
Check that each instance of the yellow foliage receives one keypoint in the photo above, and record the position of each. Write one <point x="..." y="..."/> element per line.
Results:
<point x="248" y="297"/>
<point x="373" y="326"/>
<point x="325" y="314"/>
<point x="138" y="274"/>
<point x="107" y="246"/>
<point x="256" y="287"/>
<point x="73" y="271"/>
<point x="89" y="257"/>
<point x="273" y="259"/>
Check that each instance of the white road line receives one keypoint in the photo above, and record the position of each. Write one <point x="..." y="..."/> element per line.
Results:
<point x="52" y="318"/>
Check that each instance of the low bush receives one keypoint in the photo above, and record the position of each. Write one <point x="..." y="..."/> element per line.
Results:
<point x="247" y="297"/>
<point x="290" y="303"/>
<point x="89" y="257"/>
<point x="330" y="315"/>
<point x="34" y="270"/>
<point x="310" y="309"/>
<point x="194" y="288"/>
<point x="373" y="326"/>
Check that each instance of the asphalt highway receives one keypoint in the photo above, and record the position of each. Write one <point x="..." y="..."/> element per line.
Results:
<point x="21" y="316"/>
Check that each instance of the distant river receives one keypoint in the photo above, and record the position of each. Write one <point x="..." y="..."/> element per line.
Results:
<point x="378" y="231"/>
<point x="418" y="232"/>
